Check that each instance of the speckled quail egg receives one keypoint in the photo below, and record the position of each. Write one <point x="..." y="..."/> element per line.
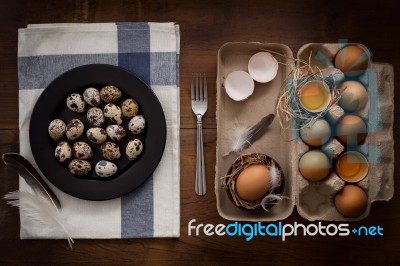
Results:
<point x="134" y="149"/>
<point x="79" y="167"/>
<point x="105" y="168"/>
<point x="129" y="108"/>
<point x="82" y="150"/>
<point x="110" y="94"/>
<point x="92" y="96"/>
<point x="76" y="103"/>
<point x="137" y="124"/>
<point x="63" y="152"/>
<point x="57" y="129"/>
<point x="95" y="116"/>
<point x="97" y="135"/>
<point x="75" y="129"/>
<point x="110" y="150"/>
<point x="115" y="132"/>
<point x="113" y="113"/>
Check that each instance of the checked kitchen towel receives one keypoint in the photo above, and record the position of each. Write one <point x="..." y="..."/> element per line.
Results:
<point x="151" y="52"/>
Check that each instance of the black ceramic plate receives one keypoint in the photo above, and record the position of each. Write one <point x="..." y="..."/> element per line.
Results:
<point x="51" y="105"/>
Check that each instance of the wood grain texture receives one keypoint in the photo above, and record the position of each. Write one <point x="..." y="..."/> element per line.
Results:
<point x="205" y="26"/>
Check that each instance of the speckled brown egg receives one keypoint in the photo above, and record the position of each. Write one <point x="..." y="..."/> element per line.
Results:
<point x="79" y="167"/>
<point x="113" y="113"/>
<point x="134" y="149"/>
<point x="110" y="94"/>
<point x="129" y="108"/>
<point x="57" y="129"/>
<point x="97" y="135"/>
<point x="82" y="150"/>
<point x="76" y="103"/>
<point x="75" y="129"/>
<point x="110" y="150"/>
<point x="95" y="116"/>
<point x="63" y="152"/>
<point x="92" y="96"/>
<point x="105" y="168"/>
<point x="115" y="132"/>
<point x="137" y="124"/>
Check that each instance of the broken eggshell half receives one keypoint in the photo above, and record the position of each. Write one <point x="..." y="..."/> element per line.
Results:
<point x="263" y="67"/>
<point x="239" y="85"/>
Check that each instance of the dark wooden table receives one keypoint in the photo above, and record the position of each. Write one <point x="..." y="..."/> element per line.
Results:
<point x="205" y="26"/>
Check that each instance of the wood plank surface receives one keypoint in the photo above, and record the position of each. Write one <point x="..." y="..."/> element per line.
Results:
<point x="205" y="26"/>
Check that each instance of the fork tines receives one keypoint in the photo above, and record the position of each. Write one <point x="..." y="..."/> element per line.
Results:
<point x="199" y="87"/>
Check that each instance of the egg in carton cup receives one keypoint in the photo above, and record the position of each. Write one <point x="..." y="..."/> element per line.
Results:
<point x="338" y="189"/>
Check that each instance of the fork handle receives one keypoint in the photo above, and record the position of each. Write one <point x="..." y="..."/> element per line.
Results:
<point x="200" y="182"/>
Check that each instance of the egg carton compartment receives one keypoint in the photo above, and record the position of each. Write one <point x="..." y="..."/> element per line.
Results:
<point x="378" y="145"/>
<point x="233" y="114"/>
<point x="314" y="200"/>
<point x="364" y="184"/>
<point x="387" y="118"/>
<point x="334" y="114"/>
<point x="333" y="148"/>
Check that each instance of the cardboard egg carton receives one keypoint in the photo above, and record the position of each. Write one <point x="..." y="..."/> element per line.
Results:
<point x="314" y="200"/>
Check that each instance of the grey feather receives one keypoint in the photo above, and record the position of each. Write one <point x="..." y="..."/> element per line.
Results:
<point x="43" y="206"/>
<point x="243" y="140"/>
<point x="31" y="176"/>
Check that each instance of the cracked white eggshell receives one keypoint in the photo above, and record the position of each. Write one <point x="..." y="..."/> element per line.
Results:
<point x="263" y="67"/>
<point x="239" y="85"/>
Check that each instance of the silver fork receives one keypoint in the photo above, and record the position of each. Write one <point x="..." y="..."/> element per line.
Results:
<point x="199" y="107"/>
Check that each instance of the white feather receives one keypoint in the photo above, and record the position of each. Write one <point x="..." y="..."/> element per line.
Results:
<point x="275" y="175"/>
<point x="39" y="209"/>
<point x="267" y="200"/>
<point x="240" y="137"/>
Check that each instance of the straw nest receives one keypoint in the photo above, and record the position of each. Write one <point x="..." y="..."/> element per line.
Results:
<point x="273" y="194"/>
<point x="288" y="108"/>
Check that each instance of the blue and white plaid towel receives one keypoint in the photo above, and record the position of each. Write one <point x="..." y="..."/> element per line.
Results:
<point x="151" y="51"/>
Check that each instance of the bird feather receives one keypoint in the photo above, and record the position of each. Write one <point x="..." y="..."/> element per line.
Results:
<point x="270" y="199"/>
<point x="31" y="176"/>
<point x="245" y="137"/>
<point x="38" y="208"/>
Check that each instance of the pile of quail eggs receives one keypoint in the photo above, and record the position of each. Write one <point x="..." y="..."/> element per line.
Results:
<point x="75" y="153"/>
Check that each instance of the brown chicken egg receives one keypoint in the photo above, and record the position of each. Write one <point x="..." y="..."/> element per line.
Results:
<point x="253" y="182"/>
<point x="351" y="130"/>
<point x="351" y="59"/>
<point x="316" y="134"/>
<point x="353" y="97"/>
<point x="351" y="201"/>
<point x="314" y="165"/>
